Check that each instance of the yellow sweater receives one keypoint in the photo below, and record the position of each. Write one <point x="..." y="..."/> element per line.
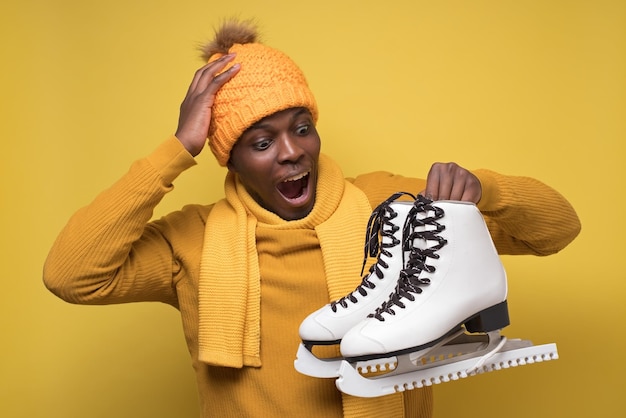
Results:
<point x="110" y="252"/>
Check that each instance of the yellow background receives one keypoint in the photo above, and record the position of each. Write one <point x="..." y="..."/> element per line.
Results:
<point x="529" y="87"/>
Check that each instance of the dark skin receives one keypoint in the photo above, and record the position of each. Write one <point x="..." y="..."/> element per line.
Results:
<point x="450" y="181"/>
<point x="445" y="181"/>
<point x="276" y="159"/>
<point x="195" y="110"/>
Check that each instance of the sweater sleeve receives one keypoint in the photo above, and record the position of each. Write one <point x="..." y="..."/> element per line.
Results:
<point x="524" y="215"/>
<point x="108" y="252"/>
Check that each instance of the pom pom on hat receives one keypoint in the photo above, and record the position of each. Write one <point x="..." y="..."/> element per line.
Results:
<point x="268" y="82"/>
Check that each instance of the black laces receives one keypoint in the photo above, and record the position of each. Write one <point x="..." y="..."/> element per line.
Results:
<point x="378" y="226"/>
<point x="409" y="282"/>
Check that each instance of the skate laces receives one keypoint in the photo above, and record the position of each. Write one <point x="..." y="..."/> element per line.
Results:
<point x="378" y="227"/>
<point x="409" y="281"/>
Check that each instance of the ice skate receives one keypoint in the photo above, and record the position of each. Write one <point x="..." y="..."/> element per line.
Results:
<point x="327" y="325"/>
<point x="453" y="284"/>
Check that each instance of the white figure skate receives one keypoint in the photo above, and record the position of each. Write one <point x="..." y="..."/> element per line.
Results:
<point x="453" y="282"/>
<point x="327" y="325"/>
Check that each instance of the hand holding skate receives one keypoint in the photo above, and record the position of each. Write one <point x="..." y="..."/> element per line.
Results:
<point x="430" y="310"/>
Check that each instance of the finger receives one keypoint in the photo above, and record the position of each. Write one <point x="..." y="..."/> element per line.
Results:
<point x="432" y="183"/>
<point x="207" y="73"/>
<point x="219" y="80"/>
<point x="457" y="188"/>
<point x="443" y="173"/>
<point x="461" y="182"/>
<point x="445" y="188"/>
<point x="196" y="78"/>
<point x="473" y="192"/>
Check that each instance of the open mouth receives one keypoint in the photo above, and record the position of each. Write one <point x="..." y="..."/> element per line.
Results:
<point x="294" y="187"/>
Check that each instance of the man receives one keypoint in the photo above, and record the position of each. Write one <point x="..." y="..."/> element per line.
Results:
<point x="286" y="239"/>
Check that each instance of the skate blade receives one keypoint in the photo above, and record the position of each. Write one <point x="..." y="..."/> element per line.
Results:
<point x="411" y="374"/>
<point x="309" y="364"/>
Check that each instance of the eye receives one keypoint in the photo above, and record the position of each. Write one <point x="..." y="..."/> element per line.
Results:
<point x="262" y="144"/>
<point x="302" y="130"/>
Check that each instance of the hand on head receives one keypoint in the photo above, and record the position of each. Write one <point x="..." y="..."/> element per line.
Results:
<point x="449" y="181"/>
<point x="195" y="110"/>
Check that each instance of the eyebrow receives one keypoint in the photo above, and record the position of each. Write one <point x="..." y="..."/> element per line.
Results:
<point x="262" y="125"/>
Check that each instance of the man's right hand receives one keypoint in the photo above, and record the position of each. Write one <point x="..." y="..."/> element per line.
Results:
<point x="195" y="110"/>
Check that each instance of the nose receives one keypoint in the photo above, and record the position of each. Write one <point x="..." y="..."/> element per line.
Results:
<point x="289" y="150"/>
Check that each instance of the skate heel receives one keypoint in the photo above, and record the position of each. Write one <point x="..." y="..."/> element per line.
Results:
<point x="491" y="319"/>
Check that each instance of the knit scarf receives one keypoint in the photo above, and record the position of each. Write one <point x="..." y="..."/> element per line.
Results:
<point x="230" y="286"/>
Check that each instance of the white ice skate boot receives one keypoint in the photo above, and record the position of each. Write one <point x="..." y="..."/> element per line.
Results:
<point x="453" y="277"/>
<point x="327" y="325"/>
<point x="453" y="282"/>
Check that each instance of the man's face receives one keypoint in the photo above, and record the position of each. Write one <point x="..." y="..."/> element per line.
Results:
<point x="276" y="160"/>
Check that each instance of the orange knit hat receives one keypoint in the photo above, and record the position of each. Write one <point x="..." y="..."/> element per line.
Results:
<point x="268" y="82"/>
